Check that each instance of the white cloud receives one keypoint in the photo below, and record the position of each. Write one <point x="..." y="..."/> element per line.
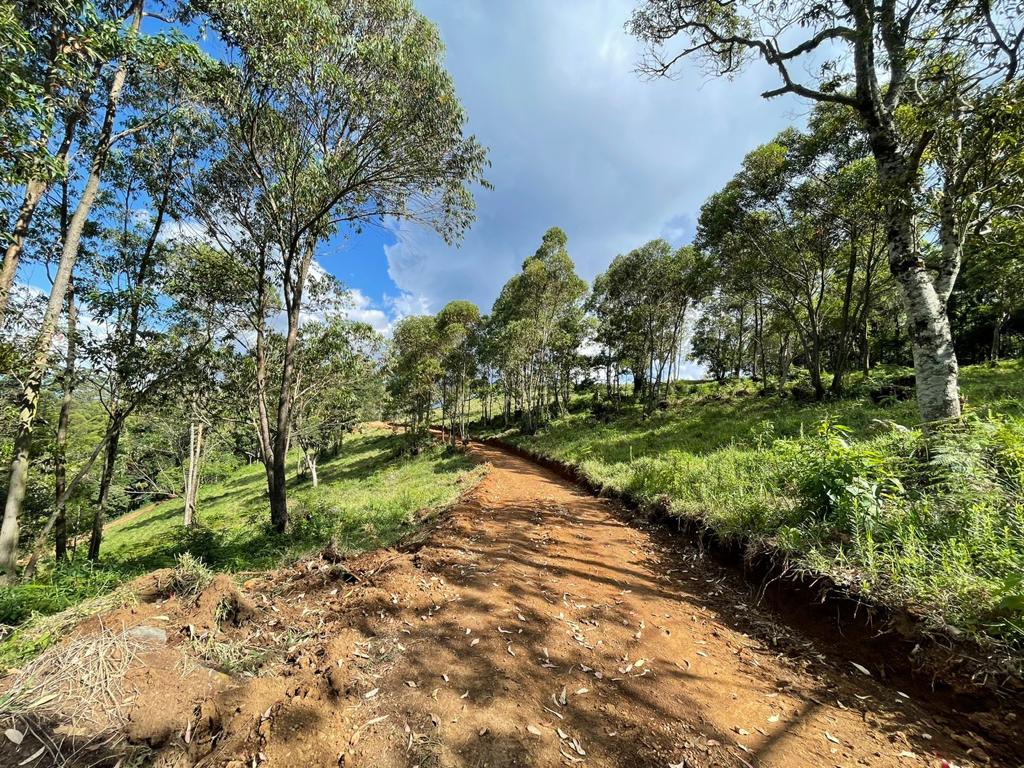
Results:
<point x="30" y="301"/>
<point x="576" y="140"/>
<point x="363" y="311"/>
<point x="180" y="231"/>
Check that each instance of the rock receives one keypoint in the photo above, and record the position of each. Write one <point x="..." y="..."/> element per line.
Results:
<point x="148" y="634"/>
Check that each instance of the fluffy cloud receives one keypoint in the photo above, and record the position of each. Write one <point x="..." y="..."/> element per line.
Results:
<point x="363" y="311"/>
<point x="576" y="140"/>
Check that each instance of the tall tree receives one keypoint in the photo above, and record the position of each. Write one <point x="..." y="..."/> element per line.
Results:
<point x="642" y="303"/>
<point x="415" y="369"/>
<point x="56" y="51"/>
<point x="899" y="66"/>
<point x="457" y="324"/>
<point x="338" y="384"/>
<point x="341" y="113"/>
<point x="536" y="320"/>
<point x="106" y="137"/>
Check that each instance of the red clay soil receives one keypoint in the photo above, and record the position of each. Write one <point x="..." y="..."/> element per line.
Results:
<point x="533" y="626"/>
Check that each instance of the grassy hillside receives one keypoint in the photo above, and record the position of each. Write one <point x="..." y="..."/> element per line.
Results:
<point x="368" y="497"/>
<point x="848" y="488"/>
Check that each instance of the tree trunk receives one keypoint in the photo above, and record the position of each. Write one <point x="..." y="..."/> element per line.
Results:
<point x="785" y="358"/>
<point x="60" y="451"/>
<point x="293" y="288"/>
<point x="843" y="353"/>
<point x="29" y="401"/>
<point x="740" y="331"/>
<point x="865" y="338"/>
<point x="106" y="480"/>
<point x="33" y="194"/>
<point x="997" y="327"/>
<point x="195" y="460"/>
<point x="935" y="365"/>
<point x="266" y="448"/>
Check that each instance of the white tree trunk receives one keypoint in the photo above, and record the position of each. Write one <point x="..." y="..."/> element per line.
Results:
<point x="935" y="365"/>
<point x="195" y="460"/>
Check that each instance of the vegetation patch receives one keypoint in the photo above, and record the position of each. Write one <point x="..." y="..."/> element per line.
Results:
<point x="370" y="495"/>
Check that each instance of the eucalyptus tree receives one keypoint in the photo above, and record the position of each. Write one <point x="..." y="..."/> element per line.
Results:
<point x="338" y="383"/>
<point x="457" y="326"/>
<point x="720" y="339"/>
<point x="131" y="267"/>
<point x="797" y="231"/>
<point x="414" y="371"/>
<point x="765" y="243"/>
<point x="340" y="113"/>
<point x="54" y="52"/>
<point x="194" y="410"/>
<point x="641" y="303"/>
<point x="142" y="64"/>
<point x="914" y="73"/>
<point x="537" y="326"/>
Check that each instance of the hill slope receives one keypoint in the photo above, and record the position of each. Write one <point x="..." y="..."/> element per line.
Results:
<point x="368" y="497"/>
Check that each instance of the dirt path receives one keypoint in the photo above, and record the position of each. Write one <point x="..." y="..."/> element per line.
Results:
<point x="533" y="626"/>
<point x="566" y="636"/>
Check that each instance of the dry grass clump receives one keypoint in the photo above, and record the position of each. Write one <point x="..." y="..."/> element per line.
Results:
<point x="190" y="576"/>
<point x="71" y="697"/>
<point x="41" y="631"/>
<point x="236" y="657"/>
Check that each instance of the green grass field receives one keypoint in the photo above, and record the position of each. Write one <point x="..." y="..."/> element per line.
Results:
<point x="368" y="497"/>
<point x="847" y="488"/>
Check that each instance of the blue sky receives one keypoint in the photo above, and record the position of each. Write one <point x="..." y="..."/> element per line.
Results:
<point x="576" y="140"/>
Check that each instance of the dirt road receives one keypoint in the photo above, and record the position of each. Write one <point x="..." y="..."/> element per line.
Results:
<point x="566" y="636"/>
<point x="534" y="626"/>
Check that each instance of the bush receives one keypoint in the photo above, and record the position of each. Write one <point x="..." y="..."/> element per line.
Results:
<point x="199" y="541"/>
<point x="315" y="521"/>
<point x="935" y="521"/>
<point x="839" y="482"/>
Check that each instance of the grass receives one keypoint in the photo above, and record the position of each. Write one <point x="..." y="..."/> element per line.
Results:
<point x="368" y="497"/>
<point x="847" y="488"/>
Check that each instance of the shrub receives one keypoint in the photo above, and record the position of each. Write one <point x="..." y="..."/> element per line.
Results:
<point x="933" y="520"/>
<point x="842" y="483"/>
<point x="199" y="541"/>
<point x="316" y="520"/>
